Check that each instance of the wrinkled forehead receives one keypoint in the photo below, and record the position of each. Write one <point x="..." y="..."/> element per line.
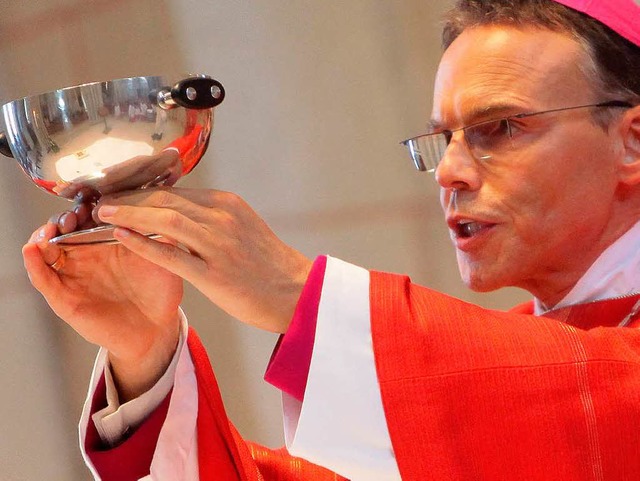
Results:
<point x="532" y="68"/>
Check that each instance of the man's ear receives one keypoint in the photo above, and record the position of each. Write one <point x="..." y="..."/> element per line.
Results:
<point x="630" y="131"/>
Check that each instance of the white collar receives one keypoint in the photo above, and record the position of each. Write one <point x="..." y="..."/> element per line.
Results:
<point x="615" y="273"/>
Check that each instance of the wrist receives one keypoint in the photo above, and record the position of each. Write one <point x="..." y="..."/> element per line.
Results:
<point x="133" y="375"/>
<point x="290" y="292"/>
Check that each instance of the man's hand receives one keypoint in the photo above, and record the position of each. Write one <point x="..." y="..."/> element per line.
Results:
<point x="223" y="248"/>
<point x="113" y="298"/>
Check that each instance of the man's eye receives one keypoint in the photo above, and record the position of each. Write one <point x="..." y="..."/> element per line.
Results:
<point x="495" y="128"/>
<point x="489" y="135"/>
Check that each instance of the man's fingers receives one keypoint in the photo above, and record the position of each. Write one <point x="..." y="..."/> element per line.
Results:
<point x="83" y="213"/>
<point x="65" y="222"/>
<point x="49" y="252"/>
<point x="194" y="204"/>
<point x="55" y="218"/>
<point x="160" y="198"/>
<point x="162" y="253"/>
<point x="165" y="222"/>
<point x="40" y="274"/>
<point x="170" y="197"/>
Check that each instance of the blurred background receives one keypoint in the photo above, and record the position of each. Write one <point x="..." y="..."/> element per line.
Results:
<point x="318" y="96"/>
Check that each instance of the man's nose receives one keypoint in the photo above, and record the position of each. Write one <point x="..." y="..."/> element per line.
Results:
<point x="458" y="169"/>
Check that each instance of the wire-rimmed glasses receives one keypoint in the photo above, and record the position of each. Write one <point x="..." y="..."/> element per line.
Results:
<point x="484" y="139"/>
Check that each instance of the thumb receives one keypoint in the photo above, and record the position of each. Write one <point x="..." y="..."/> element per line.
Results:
<point x="38" y="255"/>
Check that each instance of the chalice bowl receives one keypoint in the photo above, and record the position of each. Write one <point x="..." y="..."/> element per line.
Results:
<point x="105" y="137"/>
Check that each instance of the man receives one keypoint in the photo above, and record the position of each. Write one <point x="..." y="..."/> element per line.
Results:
<point x="535" y="142"/>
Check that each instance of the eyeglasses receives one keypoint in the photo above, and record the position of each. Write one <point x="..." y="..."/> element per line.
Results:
<point x="484" y="139"/>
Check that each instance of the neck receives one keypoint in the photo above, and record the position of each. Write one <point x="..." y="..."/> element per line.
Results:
<point x="613" y="272"/>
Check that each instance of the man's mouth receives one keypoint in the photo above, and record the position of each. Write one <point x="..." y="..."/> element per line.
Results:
<point x="465" y="228"/>
<point x="469" y="228"/>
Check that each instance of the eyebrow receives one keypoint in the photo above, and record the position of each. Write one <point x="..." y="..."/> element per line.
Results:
<point x="487" y="112"/>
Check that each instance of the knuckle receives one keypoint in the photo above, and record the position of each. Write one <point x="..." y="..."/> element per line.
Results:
<point x="162" y="198"/>
<point x="211" y="197"/>
<point x="230" y="200"/>
<point x="174" y="220"/>
<point x="227" y="222"/>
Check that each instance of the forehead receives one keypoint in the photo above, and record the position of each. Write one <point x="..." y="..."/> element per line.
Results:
<point x="496" y="65"/>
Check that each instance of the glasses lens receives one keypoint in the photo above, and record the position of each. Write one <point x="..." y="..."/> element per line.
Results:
<point x="488" y="138"/>
<point x="427" y="151"/>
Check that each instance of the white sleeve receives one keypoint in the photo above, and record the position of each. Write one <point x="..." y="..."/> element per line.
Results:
<point x="115" y="420"/>
<point x="341" y="423"/>
<point x="176" y="454"/>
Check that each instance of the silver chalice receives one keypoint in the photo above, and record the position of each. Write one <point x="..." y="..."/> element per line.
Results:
<point x="104" y="137"/>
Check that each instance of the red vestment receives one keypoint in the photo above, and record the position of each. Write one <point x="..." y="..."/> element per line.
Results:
<point x="223" y="454"/>
<point x="471" y="393"/>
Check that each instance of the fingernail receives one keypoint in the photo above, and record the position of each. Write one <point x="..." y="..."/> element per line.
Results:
<point x="38" y="236"/>
<point x="55" y="218"/>
<point x="121" y="232"/>
<point x="107" y="211"/>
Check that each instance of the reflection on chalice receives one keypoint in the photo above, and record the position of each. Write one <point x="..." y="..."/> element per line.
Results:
<point x="139" y="171"/>
<point x="106" y="137"/>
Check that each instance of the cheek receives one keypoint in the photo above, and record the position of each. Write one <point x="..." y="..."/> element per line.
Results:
<point x="533" y="185"/>
<point x="548" y="222"/>
<point x="534" y="215"/>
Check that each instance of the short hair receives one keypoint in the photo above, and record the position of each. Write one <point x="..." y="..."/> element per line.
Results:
<point x="615" y="61"/>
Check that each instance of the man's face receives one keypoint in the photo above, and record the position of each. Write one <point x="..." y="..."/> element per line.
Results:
<point x="541" y="211"/>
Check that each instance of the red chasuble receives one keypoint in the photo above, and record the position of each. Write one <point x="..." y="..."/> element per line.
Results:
<point x="471" y="393"/>
<point x="474" y="394"/>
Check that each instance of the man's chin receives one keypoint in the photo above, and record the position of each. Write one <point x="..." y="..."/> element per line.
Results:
<point x="481" y="281"/>
<point x="482" y="287"/>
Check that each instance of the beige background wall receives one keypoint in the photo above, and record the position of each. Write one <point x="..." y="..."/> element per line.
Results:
<point x="319" y="94"/>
